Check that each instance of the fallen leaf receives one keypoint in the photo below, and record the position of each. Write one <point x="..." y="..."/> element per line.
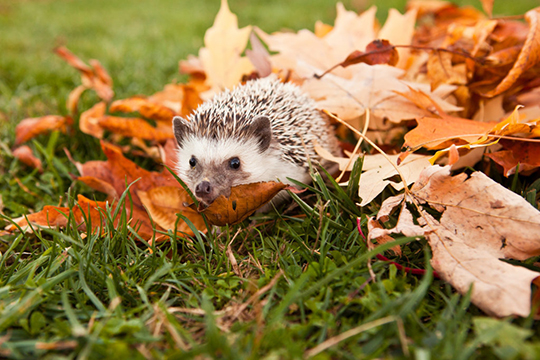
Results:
<point x="377" y="171"/>
<point x="436" y="133"/>
<point x="243" y="201"/>
<point x="93" y="77"/>
<point x="221" y="56"/>
<point x="376" y="88"/>
<point x="259" y="56"/>
<point x="165" y="202"/>
<point x="146" y="107"/>
<point x="135" y="127"/>
<point x="377" y="52"/>
<point x="26" y="156"/>
<point x="89" y="120"/>
<point x="524" y="154"/>
<point x="84" y="211"/>
<point x="442" y="71"/>
<point x="528" y="56"/>
<point x="481" y="222"/>
<point x="32" y="127"/>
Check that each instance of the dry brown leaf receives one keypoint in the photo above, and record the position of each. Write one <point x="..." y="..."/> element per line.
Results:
<point x="89" y="120"/>
<point x="93" y="77"/>
<point x="399" y="30"/>
<point x="135" y="127"/>
<point x="26" y="156"/>
<point x="221" y="57"/>
<point x="32" y="127"/>
<point x="85" y="209"/>
<point x="243" y="201"/>
<point x="377" y="52"/>
<point x="376" y="88"/>
<point x="306" y="53"/>
<point x="441" y="70"/>
<point x="378" y="172"/>
<point x="146" y="107"/>
<point x="528" y="57"/>
<point x="112" y="177"/>
<point x="524" y="154"/>
<point x="164" y="202"/>
<point x="481" y="222"/>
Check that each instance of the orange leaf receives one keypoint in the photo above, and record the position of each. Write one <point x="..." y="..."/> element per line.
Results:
<point x="32" y="127"/>
<point x="119" y="171"/>
<point x="147" y="108"/>
<point x="89" y="120"/>
<point x="74" y="61"/>
<point x="94" y="77"/>
<point x="244" y="201"/>
<point x="528" y="57"/>
<point x="26" y="156"/>
<point x="436" y="133"/>
<point x="73" y="98"/>
<point x="99" y="185"/>
<point x="522" y="153"/>
<point x="164" y="202"/>
<point x="135" y="127"/>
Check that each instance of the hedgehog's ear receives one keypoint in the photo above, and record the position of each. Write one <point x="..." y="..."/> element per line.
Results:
<point x="261" y="129"/>
<point x="180" y="128"/>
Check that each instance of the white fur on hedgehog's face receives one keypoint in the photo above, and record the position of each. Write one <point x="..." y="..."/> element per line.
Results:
<point x="210" y="167"/>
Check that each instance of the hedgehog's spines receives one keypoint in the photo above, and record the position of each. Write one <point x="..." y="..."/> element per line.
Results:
<point x="294" y="120"/>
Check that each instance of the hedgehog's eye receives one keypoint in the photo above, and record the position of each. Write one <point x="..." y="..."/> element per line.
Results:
<point x="192" y="162"/>
<point x="234" y="163"/>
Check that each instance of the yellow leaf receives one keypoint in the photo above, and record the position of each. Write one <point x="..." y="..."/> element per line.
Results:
<point x="221" y="57"/>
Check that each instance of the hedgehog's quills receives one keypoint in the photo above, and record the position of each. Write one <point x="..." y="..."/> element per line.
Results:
<point x="264" y="130"/>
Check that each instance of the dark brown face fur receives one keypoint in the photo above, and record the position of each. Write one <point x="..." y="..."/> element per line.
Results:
<point x="210" y="180"/>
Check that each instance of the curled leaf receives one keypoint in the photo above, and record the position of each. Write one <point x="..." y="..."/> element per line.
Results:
<point x="32" y="127"/>
<point x="26" y="156"/>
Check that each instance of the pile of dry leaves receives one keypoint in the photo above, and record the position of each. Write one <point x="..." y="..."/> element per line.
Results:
<point x="445" y="78"/>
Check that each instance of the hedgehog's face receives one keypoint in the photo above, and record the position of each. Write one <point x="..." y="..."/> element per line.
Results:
<point x="210" y="167"/>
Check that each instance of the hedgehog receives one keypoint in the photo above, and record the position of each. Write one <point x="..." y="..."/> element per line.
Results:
<point x="264" y="130"/>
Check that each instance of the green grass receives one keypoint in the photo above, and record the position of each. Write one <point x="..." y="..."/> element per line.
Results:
<point x="63" y="295"/>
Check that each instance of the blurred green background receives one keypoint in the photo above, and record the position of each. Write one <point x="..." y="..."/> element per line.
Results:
<point x="138" y="41"/>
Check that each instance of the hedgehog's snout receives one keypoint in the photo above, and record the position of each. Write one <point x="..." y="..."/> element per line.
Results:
<point x="204" y="191"/>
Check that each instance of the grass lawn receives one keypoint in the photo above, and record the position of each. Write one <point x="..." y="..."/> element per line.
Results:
<point x="63" y="295"/>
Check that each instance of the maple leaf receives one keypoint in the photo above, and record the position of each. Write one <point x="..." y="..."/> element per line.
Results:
<point x="376" y="88"/>
<point x="306" y="54"/>
<point x="146" y="107"/>
<point x="221" y="57"/>
<point x="377" y="171"/>
<point x="526" y="155"/>
<point x="439" y="133"/>
<point x="480" y="223"/>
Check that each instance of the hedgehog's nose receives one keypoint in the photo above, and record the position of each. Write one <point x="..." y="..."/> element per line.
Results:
<point x="203" y="189"/>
